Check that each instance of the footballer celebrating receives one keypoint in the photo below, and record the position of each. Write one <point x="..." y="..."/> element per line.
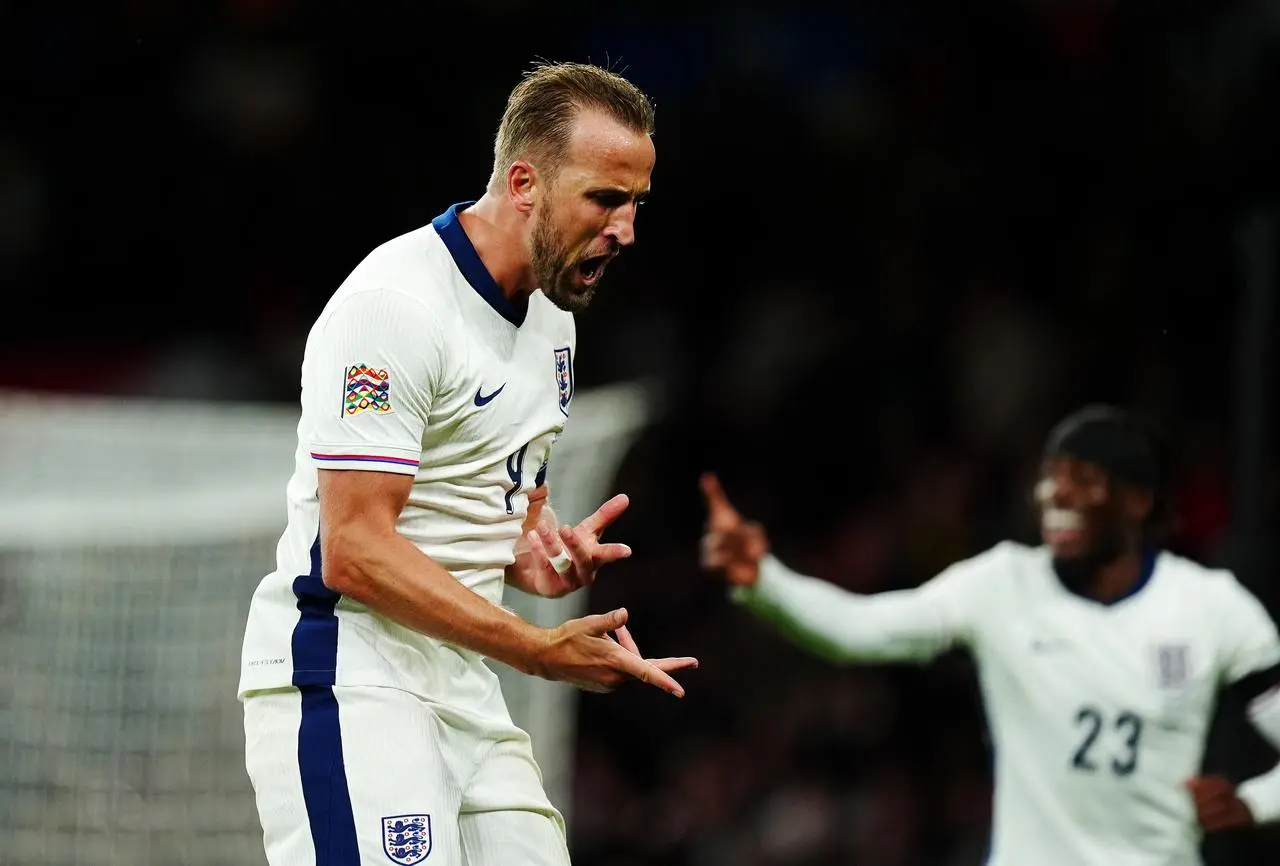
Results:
<point x="434" y="385"/>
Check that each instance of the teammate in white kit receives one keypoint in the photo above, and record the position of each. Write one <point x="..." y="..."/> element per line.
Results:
<point x="1099" y="655"/>
<point x="434" y="385"/>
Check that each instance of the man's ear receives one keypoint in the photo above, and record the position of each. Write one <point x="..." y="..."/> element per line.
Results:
<point x="522" y="180"/>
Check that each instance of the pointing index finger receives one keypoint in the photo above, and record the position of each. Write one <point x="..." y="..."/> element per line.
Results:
<point x="720" y="512"/>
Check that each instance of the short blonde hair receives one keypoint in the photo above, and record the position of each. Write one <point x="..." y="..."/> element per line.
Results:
<point x="541" y="110"/>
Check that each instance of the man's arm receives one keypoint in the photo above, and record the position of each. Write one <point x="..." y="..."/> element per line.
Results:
<point x="841" y="626"/>
<point x="1250" y="668"/>
<point x="1262" y="793"/>
<point x="366" y="559"/>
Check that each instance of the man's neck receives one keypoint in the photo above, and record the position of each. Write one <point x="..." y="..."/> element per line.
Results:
<point x="1105" y="579"/>
<point x="1119" y="577"/>
<point x="495" y="231"/>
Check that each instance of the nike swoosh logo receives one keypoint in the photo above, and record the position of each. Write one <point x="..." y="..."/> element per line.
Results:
<point x="485" y="399"/>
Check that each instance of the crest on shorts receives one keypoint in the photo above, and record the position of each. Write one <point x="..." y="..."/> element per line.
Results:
<point x="1172" y="664"/>
<point x="564" y="377"/>
<point x="406" y="839"/>
<point x="367" y="389"/>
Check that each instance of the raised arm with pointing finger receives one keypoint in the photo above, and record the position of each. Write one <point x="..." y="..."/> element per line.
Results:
<point x="841" y="626"/>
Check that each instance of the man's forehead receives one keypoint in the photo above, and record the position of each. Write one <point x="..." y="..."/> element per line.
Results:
<point x="596" y="128"/>
<point x="602" y="145"/>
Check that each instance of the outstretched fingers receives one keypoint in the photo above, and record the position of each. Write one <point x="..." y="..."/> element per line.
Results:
<point x="671" y="663"/>
<point x="611" y="552"/>
<point x="610" y="511"/>
<point x="600" y="624"/>
<point x="624" y="637"/>
<point x="626" y="658"/>
<point x="647" y="672"/>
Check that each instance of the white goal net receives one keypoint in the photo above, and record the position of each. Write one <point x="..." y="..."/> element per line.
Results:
<point x="132" y="535"/>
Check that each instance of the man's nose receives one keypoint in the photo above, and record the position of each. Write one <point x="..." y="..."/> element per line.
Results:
<point x="622" y="228"/>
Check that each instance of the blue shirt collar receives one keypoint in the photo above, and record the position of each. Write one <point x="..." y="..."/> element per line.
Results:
<point x="468" y="262"/>
<point x="1149" y="560"/>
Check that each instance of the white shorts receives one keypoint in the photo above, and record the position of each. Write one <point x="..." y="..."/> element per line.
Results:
<point x="358" y="775"/>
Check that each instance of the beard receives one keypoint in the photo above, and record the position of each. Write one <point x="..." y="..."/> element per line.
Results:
<point x="554" y="267"/>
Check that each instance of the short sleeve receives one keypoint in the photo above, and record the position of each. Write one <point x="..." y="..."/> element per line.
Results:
<point x="1248" y="636"/>
<point x="370" y="374"/>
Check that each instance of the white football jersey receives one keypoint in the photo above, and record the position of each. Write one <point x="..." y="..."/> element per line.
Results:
<point x="418" y="365"/>
<point x="1098" y="712"/>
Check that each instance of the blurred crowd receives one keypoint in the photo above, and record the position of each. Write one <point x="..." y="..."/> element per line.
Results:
<point x="888" y="245"/>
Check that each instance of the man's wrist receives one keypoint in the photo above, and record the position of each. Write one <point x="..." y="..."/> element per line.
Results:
<point x="767" y="567"/>
<point x="537" y="640"/>
<point x="522" y="646"/>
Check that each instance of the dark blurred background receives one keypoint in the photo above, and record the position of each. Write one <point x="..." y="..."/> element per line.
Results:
<point x="888" y="245"/>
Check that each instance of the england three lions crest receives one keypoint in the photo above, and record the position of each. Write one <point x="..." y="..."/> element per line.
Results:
<point x="406" y="839"/>
<point x="564" y="377"/>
